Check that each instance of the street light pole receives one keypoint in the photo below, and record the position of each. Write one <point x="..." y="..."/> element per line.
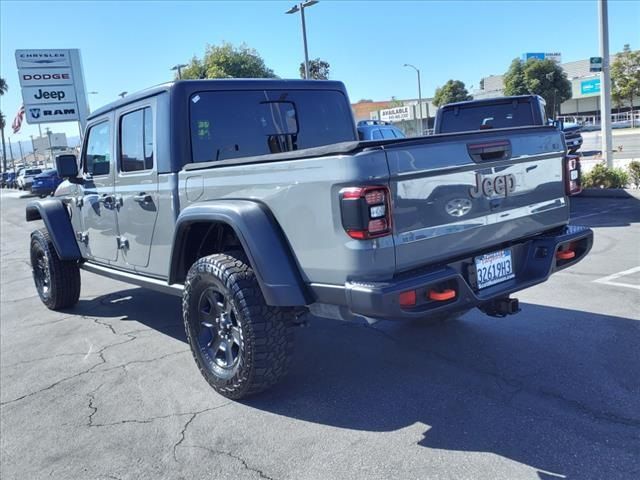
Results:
<point x="605" y="85"/>
<point x="179" y="68"/>
<point x="300" y="8"/>
<point x="420" y="129"/>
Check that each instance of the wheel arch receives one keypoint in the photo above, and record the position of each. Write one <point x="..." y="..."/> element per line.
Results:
<point x="226" y="225"/>
<point x="56" y="219"/>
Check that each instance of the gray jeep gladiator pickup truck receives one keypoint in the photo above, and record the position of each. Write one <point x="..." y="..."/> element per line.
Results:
<point x="256" y="203"/>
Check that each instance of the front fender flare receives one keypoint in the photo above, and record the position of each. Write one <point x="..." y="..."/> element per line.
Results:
<point x="56" y="218"/>
<point x="263" y="242"/>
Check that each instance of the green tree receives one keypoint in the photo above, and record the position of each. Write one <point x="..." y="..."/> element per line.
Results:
<point x="539" y="77"/>
<point x="227" y="61"/>
<point x="318" y="69"/>
<point x="452" y="91"/>
<point x="625" y="77"/>
<point x="514" y="83"/>
<point x="3" y="89"/>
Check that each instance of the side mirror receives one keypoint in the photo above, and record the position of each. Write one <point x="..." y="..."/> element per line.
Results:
<point x="67" y="167"/>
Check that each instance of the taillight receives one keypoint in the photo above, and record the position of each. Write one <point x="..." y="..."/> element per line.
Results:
<point x="573" y="185"/>
<point x="366" y="211"/>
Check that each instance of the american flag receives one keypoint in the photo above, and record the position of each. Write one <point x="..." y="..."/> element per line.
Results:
<point x="17" y="122"/>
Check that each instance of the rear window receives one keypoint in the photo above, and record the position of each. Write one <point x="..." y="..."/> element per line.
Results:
<point x="236" y="124"/>
<point x="33" y="171"/>
<point x="482" y="116"/>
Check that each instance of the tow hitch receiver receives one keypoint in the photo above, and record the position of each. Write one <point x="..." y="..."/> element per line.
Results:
<point x="501" y="307"/>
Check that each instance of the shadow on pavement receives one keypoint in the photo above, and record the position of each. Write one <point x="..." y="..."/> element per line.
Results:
<point x="555" y="389"/>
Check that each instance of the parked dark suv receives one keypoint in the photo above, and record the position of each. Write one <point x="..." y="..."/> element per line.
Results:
<point x="572" y="136"/>
<point x="377" y="130"/>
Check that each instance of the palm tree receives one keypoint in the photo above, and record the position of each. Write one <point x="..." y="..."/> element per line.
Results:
<point x="3" y="89"/>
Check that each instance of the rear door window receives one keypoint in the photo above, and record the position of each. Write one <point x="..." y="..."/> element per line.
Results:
<point x="236" y="124"/>
<point x="486" y="116"/>
<point x="136" y="141"/>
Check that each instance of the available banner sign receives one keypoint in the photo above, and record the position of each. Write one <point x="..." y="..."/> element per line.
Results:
<point x="52" y="84"/>
<point x="396" y="114"/>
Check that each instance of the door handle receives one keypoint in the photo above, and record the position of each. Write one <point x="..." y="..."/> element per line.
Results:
<point x="142" y="198"/>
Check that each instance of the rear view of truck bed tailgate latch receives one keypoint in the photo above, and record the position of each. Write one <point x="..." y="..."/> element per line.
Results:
<point x="498" y="150"/>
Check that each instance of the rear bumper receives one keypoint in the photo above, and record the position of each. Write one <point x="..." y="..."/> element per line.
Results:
<point x="534" y="261"/>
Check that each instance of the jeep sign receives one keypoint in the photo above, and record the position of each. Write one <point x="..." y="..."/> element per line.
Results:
<point x="52" y="86"/>
<point x="51" y="94"/>
<point x="59" y="112"/>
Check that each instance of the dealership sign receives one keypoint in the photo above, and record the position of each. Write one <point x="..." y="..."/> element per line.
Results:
<point x="59" y="112"/>
<point x="52" y="84"/>
<point x="590" y="87"/>
<point x="555" y="56"/>
<point x="396" y="114"/>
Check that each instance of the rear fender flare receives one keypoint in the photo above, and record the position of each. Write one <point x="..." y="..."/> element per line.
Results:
<point x="55" y="216"/>
<point x="262" y="240"/>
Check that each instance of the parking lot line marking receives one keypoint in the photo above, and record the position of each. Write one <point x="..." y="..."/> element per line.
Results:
<point x="609" y="279"/>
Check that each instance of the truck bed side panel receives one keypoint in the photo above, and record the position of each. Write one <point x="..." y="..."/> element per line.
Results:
<point x="303" y="196"/>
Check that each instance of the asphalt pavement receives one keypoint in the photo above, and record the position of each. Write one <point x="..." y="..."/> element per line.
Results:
<point x="626" y="143"/>
<point x="109" y="390"/>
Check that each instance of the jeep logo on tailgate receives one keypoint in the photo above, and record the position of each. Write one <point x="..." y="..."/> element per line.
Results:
<point x="487" y="186"/>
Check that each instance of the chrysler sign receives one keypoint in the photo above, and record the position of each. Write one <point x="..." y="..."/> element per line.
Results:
<point x="42" y="58"/>
<point x="52" y="84"/>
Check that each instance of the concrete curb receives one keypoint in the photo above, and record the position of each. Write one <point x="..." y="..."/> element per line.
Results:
<point x="610" y="193"/>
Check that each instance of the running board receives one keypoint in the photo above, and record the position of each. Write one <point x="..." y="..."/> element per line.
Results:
<point x="140" y="280"/>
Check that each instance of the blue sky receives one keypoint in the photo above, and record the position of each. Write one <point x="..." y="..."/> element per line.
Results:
<point x="130" y="45"/>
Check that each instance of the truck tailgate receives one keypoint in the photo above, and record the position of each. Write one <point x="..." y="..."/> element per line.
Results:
<point x="471" y="192"/>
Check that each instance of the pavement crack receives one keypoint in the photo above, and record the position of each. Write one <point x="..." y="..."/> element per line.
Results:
<point x="99" y="353"/>
<point x="148" y="360"/>
<point x="40" y="359"/>
<point x="185" y="427"/>
<point x="246" y="466"/>
<point x="93" y="407"/>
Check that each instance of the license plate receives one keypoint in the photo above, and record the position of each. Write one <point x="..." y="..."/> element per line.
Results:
<point x="494" y="268"/>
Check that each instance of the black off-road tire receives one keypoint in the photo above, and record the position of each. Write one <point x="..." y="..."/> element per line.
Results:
<point x="57" y="281"/>
<point x="267" y="335"/>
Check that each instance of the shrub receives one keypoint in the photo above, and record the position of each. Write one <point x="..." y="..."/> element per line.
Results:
<point x="634" y="172"/>
<point x="603" y="177"/>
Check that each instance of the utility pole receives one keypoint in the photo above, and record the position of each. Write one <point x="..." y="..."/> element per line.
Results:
<point x="605" y="85"/>
<point x="50" y="147"/>
<point x="21" y="154"/>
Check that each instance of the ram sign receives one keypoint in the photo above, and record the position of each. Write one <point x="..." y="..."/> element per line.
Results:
<point x="52" y="86"/>
<point x="397" y="114"/>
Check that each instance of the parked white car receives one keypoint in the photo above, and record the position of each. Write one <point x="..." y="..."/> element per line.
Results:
<point x="25" y="177"/>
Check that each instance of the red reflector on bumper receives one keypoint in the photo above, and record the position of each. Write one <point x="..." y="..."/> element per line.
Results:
<point x="408" y="299"/>
<point x="565" y="255"/>
<point x="442" y="296"/>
